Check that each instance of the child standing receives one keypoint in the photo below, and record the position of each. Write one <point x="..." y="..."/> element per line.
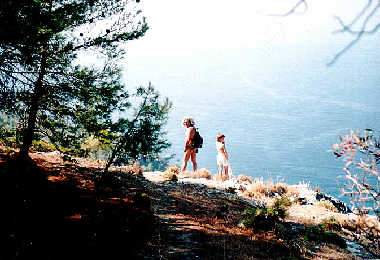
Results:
<point x="222" y="157"/>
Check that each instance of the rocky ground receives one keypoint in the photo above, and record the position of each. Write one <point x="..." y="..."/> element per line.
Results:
<point x="71" y="209"/>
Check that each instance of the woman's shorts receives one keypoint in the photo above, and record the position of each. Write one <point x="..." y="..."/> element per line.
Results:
<point x="192" y="148"/>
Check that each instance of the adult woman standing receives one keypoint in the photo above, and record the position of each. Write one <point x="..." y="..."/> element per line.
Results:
<point x="190" y="152"/>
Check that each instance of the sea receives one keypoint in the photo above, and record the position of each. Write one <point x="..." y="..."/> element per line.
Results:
<point x="280" y="114"/>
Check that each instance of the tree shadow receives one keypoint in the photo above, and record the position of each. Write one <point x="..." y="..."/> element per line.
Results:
<point x="59" y="220"/>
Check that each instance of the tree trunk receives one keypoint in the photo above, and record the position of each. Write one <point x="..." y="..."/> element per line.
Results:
<point x="113" y="154"/>
<point x="33" y="110"/>
<point x="117" y="150"/>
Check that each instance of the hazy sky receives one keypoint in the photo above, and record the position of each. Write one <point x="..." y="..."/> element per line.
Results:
<point x="181" y="28"/>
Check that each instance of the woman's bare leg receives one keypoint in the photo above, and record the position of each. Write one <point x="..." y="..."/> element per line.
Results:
<point x="186" y="157"/>
<point x="194" y="160"/>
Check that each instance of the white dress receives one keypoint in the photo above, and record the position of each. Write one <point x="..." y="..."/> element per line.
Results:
<point x="220" y="158"/>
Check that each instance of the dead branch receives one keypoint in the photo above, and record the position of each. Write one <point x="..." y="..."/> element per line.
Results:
<point x="294" y="9"/>
<point x="359" y="33"/>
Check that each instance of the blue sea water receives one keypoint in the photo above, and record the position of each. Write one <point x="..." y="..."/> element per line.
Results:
<point x="280" y="113"/>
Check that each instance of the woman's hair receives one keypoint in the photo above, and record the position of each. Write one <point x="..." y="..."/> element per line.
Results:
<point x="218" y="136"/>
<point x="188" y="119"/>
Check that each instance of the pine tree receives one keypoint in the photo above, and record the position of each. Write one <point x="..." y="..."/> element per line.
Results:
<point x="39" y="44"/>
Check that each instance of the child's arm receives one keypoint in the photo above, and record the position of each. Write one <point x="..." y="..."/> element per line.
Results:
<point x="225" y="154"/>
<point x="225" y="151"/>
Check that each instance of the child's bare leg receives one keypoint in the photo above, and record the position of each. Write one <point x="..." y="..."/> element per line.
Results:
<point x="221" y="171"/>
<point x="226" y="171"/>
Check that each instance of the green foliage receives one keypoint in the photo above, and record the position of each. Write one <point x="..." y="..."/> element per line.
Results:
<point x="266" y="218"/>
<point x="71" y="105"/>
<point x="42" y="146"/>
<point x="318" y="233"/>
<point x="281" y="205"/>
<point x="39" y="79"/>
<point x="141" y="135"/>
<point x="7" y="134"/>
<point x="331" y="223"/>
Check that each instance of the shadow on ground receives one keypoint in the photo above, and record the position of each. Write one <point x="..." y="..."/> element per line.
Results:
<point x="63" y="220"/>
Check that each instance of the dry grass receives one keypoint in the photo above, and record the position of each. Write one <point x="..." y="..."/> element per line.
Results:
<point x="135" y="168"/>
<point x="308" y="214"/>
<point x="327" y="204"/>
<point x="170" y="176"/>
<point x="368" y="224"/>
<point x="260" y="191"/>
<point x="201" y="173"/>
<point x="173" y="169"/>
<point x="244" y="179"/>
<point x="171" y="173"/>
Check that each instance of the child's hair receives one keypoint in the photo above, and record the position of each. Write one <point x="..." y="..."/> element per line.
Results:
<point x="218" y="136"/>
<point x="188" y="119"/>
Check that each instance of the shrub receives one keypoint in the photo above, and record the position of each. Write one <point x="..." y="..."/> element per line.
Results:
<point x="173" y="169"/>
<point x="318" y="233"/>
<point x="7" y="136"/>
<point x="259" y="218"/>
<point x="331" y="223"/>
<point x="135" y="168"/>
<point x="256" y="188"/>
<point x="369" y="225"/>
<point x="201" y="173"/>
<point x="42" y="146"/>
<point x="281" y="206"/>
<point x="266" y="218"/>
<point x="170" y="176"/>
<point x="361" y="154"/>
<point x="317" y="189"/>
<point x="244" y="179"/>
<point x="280" y="188"/>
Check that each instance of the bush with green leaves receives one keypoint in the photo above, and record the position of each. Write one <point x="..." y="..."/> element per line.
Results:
<point x="266" y="218"/>
<point x="318" y="233"/>
<point x="331" y="223"/>
<point x="42" y="146"/>
<point x="6" y="133"/>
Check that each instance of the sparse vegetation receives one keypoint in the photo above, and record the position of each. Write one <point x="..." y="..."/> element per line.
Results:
<point x="215" y="215"/>
<point x="328" y="205"/>
<point x="135" y="168"/>
<point x="319" y="233"/>
<point x="331" y="224"/>
<point x="170" y="176"/>
<point x="361" y="153"/>
<point x="266" y="218"/>
<point x="266" y="194"/>
<point x="42" y="146"/>
<point x="173" y="169"/>
<point x="201" y="173"/>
